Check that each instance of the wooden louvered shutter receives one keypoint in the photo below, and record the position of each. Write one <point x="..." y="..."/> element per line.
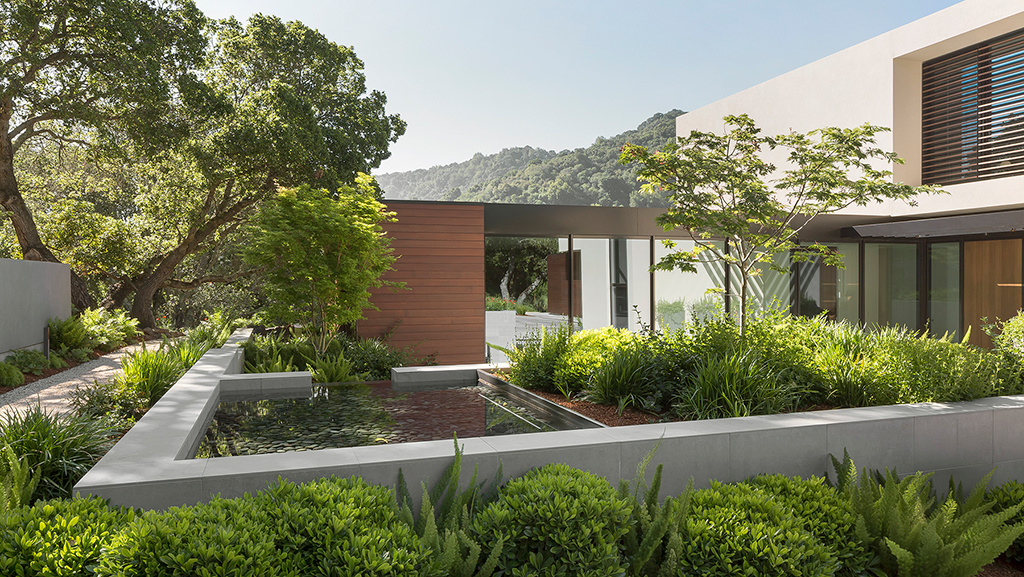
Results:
<point x="973" y="112"/>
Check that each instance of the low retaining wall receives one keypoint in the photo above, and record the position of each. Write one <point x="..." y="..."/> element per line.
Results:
<point x="149" y="467"/>
<point x="31" y="293"/>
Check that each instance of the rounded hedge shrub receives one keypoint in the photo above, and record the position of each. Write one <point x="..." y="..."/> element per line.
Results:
<point x="742" y="530"/>
<point x="58" y="537"/>
<point x="825" y="513"/>
<point x="327" y="527"/>
<point x="556" y="520"/>
<point x="10" y="375"/>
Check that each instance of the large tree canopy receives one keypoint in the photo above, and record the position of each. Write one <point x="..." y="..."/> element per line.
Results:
<point x="280" y="106"/>
<point x="189" y="143"/>
<point x="81" y="70"/>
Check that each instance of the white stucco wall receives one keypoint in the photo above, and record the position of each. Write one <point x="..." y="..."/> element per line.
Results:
<point x="878" y="81"/>
<point x="31" y="293"/>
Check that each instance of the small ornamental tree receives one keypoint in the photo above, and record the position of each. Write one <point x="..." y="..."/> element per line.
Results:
<point x="719" y="187"/>
<point x="321" y="253"/>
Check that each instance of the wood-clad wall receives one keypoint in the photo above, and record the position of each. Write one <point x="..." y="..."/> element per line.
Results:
<point x="441" y="261"/>
<point x="992" y="284"/>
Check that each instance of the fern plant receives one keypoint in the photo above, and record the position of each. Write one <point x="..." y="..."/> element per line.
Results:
<point x="18" y="481"/>
<point x="445" y="529"/>
<point x="915" y="537"/>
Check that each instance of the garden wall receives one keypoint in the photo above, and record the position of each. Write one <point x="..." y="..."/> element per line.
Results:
<point x="31" y="293"/>
<point x="149" y="467"/>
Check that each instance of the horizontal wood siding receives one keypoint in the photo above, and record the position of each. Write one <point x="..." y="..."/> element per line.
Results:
<point x="440" y="249"/>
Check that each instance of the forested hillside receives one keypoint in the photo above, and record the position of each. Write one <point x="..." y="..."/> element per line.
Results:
<point x="529" y="175"/>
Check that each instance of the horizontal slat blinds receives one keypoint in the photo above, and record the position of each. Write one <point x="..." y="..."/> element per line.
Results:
<point x="973" y="112"/>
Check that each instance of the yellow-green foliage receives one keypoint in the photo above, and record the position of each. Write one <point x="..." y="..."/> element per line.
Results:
<point x="588" y="351"/>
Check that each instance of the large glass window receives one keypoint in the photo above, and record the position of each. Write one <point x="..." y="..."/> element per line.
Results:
<point x="685" y="296"/>
<point x="890" y="284"/>
<point x="831" y="289"/>
<point x="944" y="292"/>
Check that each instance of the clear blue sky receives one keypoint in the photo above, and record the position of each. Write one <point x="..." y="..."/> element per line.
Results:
<point x="477" y="75"/>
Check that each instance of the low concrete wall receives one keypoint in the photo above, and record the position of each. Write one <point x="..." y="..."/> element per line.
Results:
<point x="149" y="467"/>
<point x="31" y="293"/>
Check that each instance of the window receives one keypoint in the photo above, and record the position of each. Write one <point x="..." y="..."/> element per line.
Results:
<point x="973" y="112"/>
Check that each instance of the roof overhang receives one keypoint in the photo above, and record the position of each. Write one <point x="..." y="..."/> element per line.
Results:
<point x="1008" y="221"/>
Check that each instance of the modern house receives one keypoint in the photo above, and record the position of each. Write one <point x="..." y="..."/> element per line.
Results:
<point x="951" y="88"/>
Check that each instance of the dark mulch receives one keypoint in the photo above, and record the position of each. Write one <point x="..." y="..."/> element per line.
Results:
<point x="1002" y="568"/>
<point x="606" y="414"/>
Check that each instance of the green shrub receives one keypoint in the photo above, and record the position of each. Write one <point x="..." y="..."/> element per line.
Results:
<point x="1009" y="338"/>
<point x="824" y="512"/>
<point x="106" y="400"/>
<point x="67" y="334"/>
<point x="556" y="520"/>
<point x="108" y="330"/>
<point x="533" y="359"/>
<point x="223" y="537"/>
<point x="623" y="379"/>
<point x="58" y="537"/>
<point x="10" y="375"/>
<point x="1006" y="496"/>
<point x="327" y="527"/>
<point x="915" y="536"/>
<point x="338" y="370"/>
<point x="28" y="361"/>
<point x="742" y="530"/>
<point x="586" y="352"/>
<point x="148" y="374"/>
<point x="734" y="385"/>
<point x="375" y="358"/>
<point x="500" y="304"/>
<point x="80" y="355"/>
<point x="63" y="448"/>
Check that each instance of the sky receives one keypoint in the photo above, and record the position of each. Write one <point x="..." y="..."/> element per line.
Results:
<point x="474" y="76"/>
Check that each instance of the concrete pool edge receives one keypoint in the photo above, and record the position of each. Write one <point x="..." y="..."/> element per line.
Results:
<point x="149" y="468"/>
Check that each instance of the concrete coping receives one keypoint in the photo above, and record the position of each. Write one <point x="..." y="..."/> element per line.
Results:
<point x="150" y="466"/>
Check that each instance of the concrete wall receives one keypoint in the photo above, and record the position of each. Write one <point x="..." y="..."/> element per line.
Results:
<point x="30" y="294"/>
<point x="149" y="467"/>
<point x="878" y="81"/>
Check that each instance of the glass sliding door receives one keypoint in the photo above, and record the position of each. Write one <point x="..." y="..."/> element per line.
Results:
<point x="944" y="288"/>
<point x="890" y="285"/>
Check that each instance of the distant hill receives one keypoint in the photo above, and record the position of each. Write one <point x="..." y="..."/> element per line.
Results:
<point x="528" y="175"/>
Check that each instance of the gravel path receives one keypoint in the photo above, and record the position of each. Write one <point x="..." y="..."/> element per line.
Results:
<point x="52" y="393"/>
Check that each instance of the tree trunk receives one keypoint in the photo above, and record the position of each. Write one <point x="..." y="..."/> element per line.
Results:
<point x="32" y="247"/>
<point x="522" y="296"/>
<point x="146" y="287"/>
<point x="117" y="294"/>
<point x="507" y="278"/>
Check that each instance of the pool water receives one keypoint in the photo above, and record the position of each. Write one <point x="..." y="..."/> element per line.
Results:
<point x="364" y="414"/>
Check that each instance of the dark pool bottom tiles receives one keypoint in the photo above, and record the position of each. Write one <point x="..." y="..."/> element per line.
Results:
<point x="348" y="416"/>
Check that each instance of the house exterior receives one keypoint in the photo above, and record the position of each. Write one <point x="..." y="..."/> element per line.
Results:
<point x="951" y="88"/>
